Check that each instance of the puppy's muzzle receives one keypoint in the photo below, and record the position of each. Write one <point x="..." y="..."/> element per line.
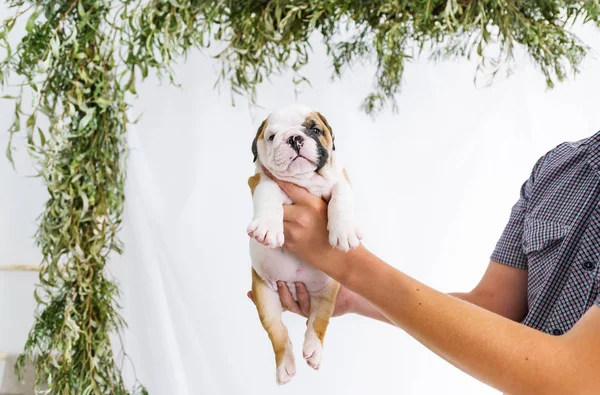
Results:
<point x="296" y="142"/>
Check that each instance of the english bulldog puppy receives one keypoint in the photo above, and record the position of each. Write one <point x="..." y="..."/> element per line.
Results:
<point x="295" y="144"/>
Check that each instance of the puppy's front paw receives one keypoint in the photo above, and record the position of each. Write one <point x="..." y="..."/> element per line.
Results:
<point x="267" y="231"/>
<point x="343" y="235"/>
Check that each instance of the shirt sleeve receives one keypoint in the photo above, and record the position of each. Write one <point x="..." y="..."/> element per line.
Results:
<point x="597" y="302"/>
<point x="509" y="249"/>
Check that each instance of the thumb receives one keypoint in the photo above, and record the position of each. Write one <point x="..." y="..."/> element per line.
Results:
<point x="299" y="195"/>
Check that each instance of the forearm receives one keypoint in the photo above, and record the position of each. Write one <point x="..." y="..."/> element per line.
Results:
<point x="366" y="309"/>
<point x="473" y="339"/>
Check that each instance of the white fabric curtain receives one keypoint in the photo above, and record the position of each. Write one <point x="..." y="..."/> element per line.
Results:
<point x="169" y="350"/>
<point x="434" y="185"/>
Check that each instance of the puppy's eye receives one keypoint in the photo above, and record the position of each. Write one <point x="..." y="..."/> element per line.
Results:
<point x="271" y="137"/>
<point x="317" y="131"/>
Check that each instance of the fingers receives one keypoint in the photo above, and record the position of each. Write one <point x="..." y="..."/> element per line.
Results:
<point x="298" y="194"/>
<point x="268" y="173"/>
<point x="291" y="212"/>
<point x="287" y="302"/>
<point x="302" y="307"/>
<point x="303" y="298"/>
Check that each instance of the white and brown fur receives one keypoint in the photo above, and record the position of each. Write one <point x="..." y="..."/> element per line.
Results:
<point x="295" y="144"/>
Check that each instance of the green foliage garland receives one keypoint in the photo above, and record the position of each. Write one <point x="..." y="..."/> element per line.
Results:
<point x="79" y="59"/>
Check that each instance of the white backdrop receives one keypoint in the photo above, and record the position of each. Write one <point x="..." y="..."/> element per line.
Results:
<point x="434" y="186"/>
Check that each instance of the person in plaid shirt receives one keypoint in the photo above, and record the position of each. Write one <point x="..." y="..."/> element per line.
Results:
<point x="532" y="324"/>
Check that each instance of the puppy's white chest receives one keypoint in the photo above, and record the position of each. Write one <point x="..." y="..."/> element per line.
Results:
<point x="318" y="186"/>
<point x="277" y="264"/>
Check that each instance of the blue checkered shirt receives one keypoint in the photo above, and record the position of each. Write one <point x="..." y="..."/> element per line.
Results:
<point x="554" y="233"/>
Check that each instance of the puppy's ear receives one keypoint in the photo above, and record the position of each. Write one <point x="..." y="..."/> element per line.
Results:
<point x="259" y="134"/>
<point x="324" y="120"/>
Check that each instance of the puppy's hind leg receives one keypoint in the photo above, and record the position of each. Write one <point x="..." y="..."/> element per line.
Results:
<point x="322" y="304"/>
<point x="269" y="310"/>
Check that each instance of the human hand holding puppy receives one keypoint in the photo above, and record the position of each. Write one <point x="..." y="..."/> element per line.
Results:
<point x="306" y="235"/>
<point x="304" y="222"/>
<point x="346" y="302"/>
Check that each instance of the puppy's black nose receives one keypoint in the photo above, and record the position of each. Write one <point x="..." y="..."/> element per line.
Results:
<point x="296" y="141"/>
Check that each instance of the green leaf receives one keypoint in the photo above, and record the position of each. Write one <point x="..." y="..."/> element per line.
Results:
<point x="55" y="45"/>
<point x="131" y="84"/>
<point x="85" y="121"/>
<point x="42" y="137"/>
<point x="31" y="21"/>
<point x="80" y="9"/>
<point x="135" y="121"/>
<point x="9" y="155"/>
<point x="10" y="23"/>
<point x="30" y="125"/>
<point x="37" y="298"/>
<point x="86" y="203"/>
<point x="102" y="101"/>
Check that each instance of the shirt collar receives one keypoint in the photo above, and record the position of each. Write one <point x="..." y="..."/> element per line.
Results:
<point x="593" y="151"/>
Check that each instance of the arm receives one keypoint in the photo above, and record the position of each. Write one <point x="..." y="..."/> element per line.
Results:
<point x="498" y="351"/>
<point x="473" y="339"/>
<point x="502" y="290"/>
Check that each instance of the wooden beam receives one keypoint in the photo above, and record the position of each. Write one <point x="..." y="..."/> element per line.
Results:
<point x="19" y="268"/>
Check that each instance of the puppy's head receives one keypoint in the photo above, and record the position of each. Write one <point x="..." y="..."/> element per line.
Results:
<point x="294" y="140"/>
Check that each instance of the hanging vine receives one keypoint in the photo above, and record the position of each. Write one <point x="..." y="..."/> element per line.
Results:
<point x="73" y="73"/>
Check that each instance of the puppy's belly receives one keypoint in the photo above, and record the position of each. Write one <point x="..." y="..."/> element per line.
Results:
<point x="277" y="264"/>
